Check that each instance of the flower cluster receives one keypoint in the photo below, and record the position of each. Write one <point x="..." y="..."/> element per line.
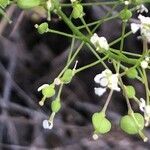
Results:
<point x="146" y="109"/>
<point x="106" y="79"/>
<point x="144" y="27"/>
<point x="99" y="42"/>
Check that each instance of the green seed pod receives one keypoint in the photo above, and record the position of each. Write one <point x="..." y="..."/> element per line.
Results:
<point x="4" y="3"/>
<point x="132" y="73"/>
<point x="42" y="28"/>
<point x="125" y="14"/>
<point x="55" y="105"/>
<point x="130" y="91"/>
<point x="77" y="11"/>
<point x="28" y="4"/>
<point x="100" y="123"/>
<point x="48" y="91"/>
<point x="67" y="76"/>
<point x="131" y="126"/>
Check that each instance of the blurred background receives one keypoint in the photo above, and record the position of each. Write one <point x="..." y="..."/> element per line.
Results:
<point x="28" y="60"/>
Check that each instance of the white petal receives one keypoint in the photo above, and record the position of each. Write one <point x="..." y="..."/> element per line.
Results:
<point x="142" y="104"/>
<point x="147" y="110"/>
<point x="143" y="9"/>
<point x="104" y="81"/>
<point x="42" y="87"/>
<point x="135" y="27"/>
<point x="144" y="64"/>
<point x="100" y="91"/>
<point x="103" y="43"/>
<point x="98" y="77"/>
<point x="94" y="38"/>
<point x="144" y="20"/>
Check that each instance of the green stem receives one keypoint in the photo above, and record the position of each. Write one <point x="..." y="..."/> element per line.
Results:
<point x="90" y="65"/>
<point x="92" y="4"/>
<point x="71" y="60"/>
<point x="107" y="101"/>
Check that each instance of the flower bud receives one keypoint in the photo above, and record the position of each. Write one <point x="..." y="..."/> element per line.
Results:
<point x="100" y="123"/>
<point x="56" y="105"/>
<point x="42" y="28"/>
<point x="77" y="11"/>
<point x="132" y="73"/>
<point x="28" y="4"/>
<point x="132" y="124"/>
<point x="67" y="76"/>
<point x="48" y="91"/>
<point x="130" y="91"/>
<point x="125" y="14"/>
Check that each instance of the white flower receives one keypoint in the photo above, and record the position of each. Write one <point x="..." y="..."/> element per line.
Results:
<point x="42" y="87"/>
<point x="146" y="109"/>
<point x="99" y="42"/>
<point x="142" y="9"/>
<point x="126" y="2"/>
<point x="145" y="62"/>
<point x="107" y="80"/>
<point x="47" y="125"/>
<point x="134" y="27"/>
<point x="72" y="1"/>
<point x="144" y="26"/>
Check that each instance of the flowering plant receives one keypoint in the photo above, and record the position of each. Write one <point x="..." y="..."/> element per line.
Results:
<point x="132" y="65"/>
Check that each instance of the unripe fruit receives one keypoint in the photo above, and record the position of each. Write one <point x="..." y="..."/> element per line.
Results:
<point x="100" y="123"/>
<point x="130" y="91"/>
<point x="67" y="76"/>
<point x="125" y="14"/>
<point x="131" y="126"/>
<point x="28" y="4"/>
<point x="55" y="105"/>
<point x="132" y="73"/>
<point x="48" y="91"/>
<point x="77" y="11"/>
<point x="42" y="28"/>
<point x="4" y="3"/>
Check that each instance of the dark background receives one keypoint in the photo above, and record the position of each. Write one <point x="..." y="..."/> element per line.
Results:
<point x="28" y="60"/>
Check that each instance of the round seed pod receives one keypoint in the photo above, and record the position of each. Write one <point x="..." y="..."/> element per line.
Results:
<point x="4" y="3"/>
<point x="55" y="105"/>
<point x="28" y="4"/>
<point x="129" y="125"/>
<point x="132" y="73"/>
<point x="130" y="91"/>
<point x="67" y="76"/>
<point x="101" y="124"/>
<point x="125" y="14"/>
<point x="48" y="91"/>
<point x="42" y="28"/>
<point x="77" y="11"/>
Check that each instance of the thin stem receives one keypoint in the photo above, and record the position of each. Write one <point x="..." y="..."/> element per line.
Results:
<point x="71" y="49"/>
<point x="60" y="90"/>
<point x="62" y="33"/>
<point x="71" y="60"/>
<point x="97" y="56"/>
<point x="92" y="4"/>
<point x="102" y="20"/>
<point x="107" y="101"/>
<point x="90" y="65"/>
<point x="87" y="28"/>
